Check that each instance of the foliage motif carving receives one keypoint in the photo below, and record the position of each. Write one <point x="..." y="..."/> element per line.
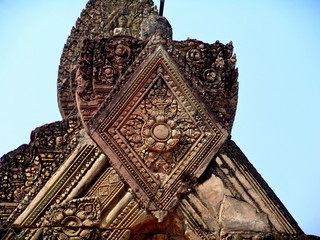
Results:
<point x="157" y="130"/>
<point x="25" y="170"/>
<point x="111" y="58"/>
<point x="139" y="100"/>
<point x="210" y="70"/>
<point x="75" y="219"/>
<point x="100" y="19"/>
<point x="160" y="130"/>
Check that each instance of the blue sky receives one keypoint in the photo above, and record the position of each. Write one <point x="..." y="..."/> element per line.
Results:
<point x="277" y="47"/>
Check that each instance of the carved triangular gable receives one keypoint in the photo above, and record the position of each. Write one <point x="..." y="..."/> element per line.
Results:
<point x="157" y="133"/>
<point x="154" y="110"/>
<point x="152" y="159"/>
<point x="229" y="200"/>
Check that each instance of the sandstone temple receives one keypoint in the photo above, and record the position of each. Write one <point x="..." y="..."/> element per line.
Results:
<point x="144" y="150"/>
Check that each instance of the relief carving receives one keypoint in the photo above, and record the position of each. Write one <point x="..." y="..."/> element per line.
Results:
<point x="25" y="170"/>
<point x="110" y="58"/>
<point x="157" y="129"/>
<point x="76" y="219"/>
<point x="107" y="187"/>
<point x="208" y="68"/>
<point x="160" y="130"/>
<point x="211" y="71"/>
<point x="123" y="26"/>
<point x="103" y="19"/>
<point x="160" y="111"/>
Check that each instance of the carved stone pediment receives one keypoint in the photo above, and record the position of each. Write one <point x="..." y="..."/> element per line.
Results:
<point x="162" y="166"/>
<point x="156" y="132"/>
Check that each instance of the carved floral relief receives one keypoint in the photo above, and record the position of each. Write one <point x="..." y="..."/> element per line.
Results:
<point x="153" y="128"/>
<point x="159" y="130"/>
<point x="76" y="219"/>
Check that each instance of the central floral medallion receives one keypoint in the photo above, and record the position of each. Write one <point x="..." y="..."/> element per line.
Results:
<point x="160" y="130"/>
<point x="159" y="136"/>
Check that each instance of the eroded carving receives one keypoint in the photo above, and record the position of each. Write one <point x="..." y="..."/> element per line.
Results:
<point x="157" y="137"/>
<point x="248" y="236"/>
<point x="157" y="130"/>
<point x="103" y="19"/>
<point x="111" y="58"/>
<point x="211" y="71"/>
<point x="76" y="219"/>
<point x="160" y="130"/>
<point x="25" y="170"/>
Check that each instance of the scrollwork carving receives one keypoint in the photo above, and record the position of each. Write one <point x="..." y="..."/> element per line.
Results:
<point x="157" y="127"/>
<point x="110" y="59"/>
<point x="210" y="70"/>
<point x="99" y="19"/>
<point x="24" y="171"/>
<point x="159" y="131"/>
<point x="74" y="219"/>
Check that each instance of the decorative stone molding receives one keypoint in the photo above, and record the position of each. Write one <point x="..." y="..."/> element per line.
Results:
<point x="162" y="165"/>
<point x="24" y="171"/>
<point x="154" y="129"/>
<point x="74" y="219"/>
<point x="64" y="184"/>
<point x="245" y="183"/>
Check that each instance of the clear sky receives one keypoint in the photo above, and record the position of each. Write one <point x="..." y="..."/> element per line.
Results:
<point x="277" y="47"/>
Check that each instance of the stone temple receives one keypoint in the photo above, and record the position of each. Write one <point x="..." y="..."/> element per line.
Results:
<point x="144" y="150"/>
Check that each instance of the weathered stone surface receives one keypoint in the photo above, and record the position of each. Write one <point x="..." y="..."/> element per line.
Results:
<point x="212" y="192"/>
<point x="105" y="66"/>
<point x="77" y="218"/>
<point x="24" y="171"/>
<point x="102" y="19"/>
<point x="245" y="183"/>
<point x="69" y="179"/>
<point x="153" y="128"/>
<point x="161" y="112"/>
<point x="236" y="215"/>
<point x="196" y="216"/>
<point x="153" y="24"/>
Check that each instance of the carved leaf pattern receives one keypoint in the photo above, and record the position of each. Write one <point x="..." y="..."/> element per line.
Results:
<point x="158" y="129"/>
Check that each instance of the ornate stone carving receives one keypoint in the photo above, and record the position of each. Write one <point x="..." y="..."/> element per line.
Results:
<point x="25" y="170"/>
<point x="160" y="130"/>
<point x="213" y="76"/>
<point x="66" y="178"/>
<point x="157" y="130"/>
<point x="111" y="59"/>
<point x="210" y="70"/>
<point x="161" y="111"/>
<point x="123" y="234"/>
<point x="76" y="219"/>
<point x="107" y="187"/>
<point x="102" y="19"/>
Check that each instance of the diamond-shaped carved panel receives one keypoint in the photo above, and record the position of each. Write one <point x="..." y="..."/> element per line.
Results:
<point x="157" y="133"/>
